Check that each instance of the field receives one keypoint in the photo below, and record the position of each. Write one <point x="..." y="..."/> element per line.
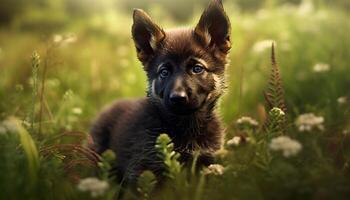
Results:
<point x="287" y="123"/>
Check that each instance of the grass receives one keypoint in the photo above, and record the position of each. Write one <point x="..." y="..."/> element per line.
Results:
<point x="49" y="98"/>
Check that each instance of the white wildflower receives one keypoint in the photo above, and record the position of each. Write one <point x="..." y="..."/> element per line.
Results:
<point x="262" y="45"/>
<point x="321" y="67"/>
<point x="215" y="169"/>
<point x="342" y="100"/>
<point x="278" y="111"/>
<point x="93" y="185"/>
<point x="345" y="132"/>
<point x="247" y="121"/>
<point x="70" y="38"/>
<point x="57" y="38"/>
<point x="306" y="7"/>
<point x="309" y="121"/>
<point x="10" y="126"/>
<point x="77" y="111"/>
<point x="288" y="146"/>
<point x="235" y="141"/>
<point x="64" y="39"/>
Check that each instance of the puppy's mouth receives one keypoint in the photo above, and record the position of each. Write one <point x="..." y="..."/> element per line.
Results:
<point x="180" y="110"/>
<point x="183" y="109"/>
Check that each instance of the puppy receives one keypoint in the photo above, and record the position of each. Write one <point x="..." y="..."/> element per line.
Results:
<point x="186" y="76"/>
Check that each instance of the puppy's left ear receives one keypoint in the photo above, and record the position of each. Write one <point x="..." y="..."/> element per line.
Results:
<point x="213" y="28"/>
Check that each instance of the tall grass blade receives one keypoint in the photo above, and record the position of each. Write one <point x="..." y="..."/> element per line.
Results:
<point x="29" y="148"/>
<point x="35" y="61"/>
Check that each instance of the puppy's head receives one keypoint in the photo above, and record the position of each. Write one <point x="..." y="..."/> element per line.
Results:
<point x="185" y="67"/>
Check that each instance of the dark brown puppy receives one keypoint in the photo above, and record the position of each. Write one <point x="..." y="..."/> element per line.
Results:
<point x="185" y="70"/>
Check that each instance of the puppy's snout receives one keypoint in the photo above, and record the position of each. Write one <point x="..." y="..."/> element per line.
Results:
<point x="178" y="97"/>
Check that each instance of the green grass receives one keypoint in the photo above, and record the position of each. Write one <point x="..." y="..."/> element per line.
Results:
<point x="46" y="107"/>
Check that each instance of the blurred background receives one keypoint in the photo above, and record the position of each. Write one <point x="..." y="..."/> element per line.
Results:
<point x="61" y="61"/>
<point x="86" y="53"/>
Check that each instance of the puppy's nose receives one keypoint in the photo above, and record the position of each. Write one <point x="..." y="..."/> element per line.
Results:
<point x="178" y="97"/>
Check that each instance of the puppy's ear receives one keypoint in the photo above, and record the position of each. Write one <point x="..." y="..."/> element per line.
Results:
<point x="213" y="28"/>
<point x="146" y="34"/>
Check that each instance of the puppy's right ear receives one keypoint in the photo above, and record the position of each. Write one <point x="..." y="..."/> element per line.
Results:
<point x="146" y="34"/>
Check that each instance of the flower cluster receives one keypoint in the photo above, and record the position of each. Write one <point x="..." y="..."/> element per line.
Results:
<point x="276" y="121"/>
<point x="277" y="111"/>
<point x="342" y="100"/>
<point x="277" y="115"/>
<point x="235" y="141"/>
<point x="247" y="122"/>
<point x="262" y="45"/>
<point x="321" y="67"/>
<point x="64" y="39"/>
<point x="306" y="7"/>
<point x="288" y="146"/>
<point x="77" y="111"/>
<point x="7" y="126"/>
<point x="309" y="121"/>
<point x="93" y="185"/>
<point x="215" y="169"/>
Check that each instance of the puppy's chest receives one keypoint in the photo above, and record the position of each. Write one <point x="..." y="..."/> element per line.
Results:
<point x="191" y="137"/>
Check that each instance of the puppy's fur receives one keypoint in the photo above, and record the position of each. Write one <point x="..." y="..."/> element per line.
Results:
<point x="185" y="70"/>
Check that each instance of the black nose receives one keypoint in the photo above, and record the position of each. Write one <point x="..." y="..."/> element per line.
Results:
<point x="178" y="97"/>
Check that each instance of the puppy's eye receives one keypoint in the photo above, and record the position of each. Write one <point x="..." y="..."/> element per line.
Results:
<point x="197" y="69"/>
<point x="164" y="73"/>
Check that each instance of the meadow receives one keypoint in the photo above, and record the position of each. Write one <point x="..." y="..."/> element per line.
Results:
<point x="287" y="118"/>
